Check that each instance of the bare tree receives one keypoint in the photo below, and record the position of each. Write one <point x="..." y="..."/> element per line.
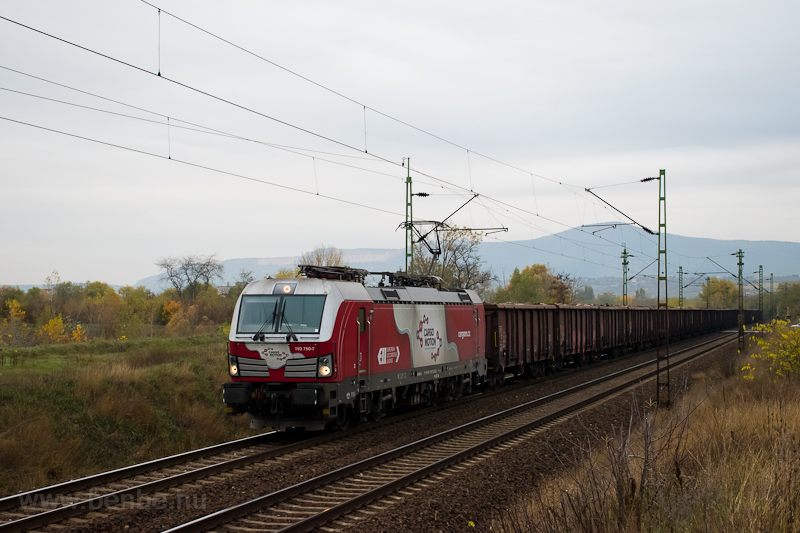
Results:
<point x="564" y="288"/>
<point x="245" y="277"/>
<point x="186" y="274"/>
<point x="323" y="255"/>
<point x="459" y="264"/>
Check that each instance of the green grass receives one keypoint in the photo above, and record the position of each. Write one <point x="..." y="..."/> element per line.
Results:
<point x="71" y="410"/>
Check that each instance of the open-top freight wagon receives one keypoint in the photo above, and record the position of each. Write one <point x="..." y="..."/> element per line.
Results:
<point x="526" y="339"/>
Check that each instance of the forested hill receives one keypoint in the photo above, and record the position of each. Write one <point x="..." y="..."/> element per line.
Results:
<point x="575" y="251"/>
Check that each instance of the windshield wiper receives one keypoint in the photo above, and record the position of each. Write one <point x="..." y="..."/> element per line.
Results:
<point x="267" y="321"/>
<point x="284" y="321"/>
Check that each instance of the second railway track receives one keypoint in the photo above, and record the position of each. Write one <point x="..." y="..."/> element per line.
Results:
<point x="319" y="501"/>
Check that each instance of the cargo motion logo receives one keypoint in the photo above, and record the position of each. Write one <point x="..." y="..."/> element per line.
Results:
<point x="277" y="355"/>
<point x="428" y="336"/>
<point x="275" y="358"/>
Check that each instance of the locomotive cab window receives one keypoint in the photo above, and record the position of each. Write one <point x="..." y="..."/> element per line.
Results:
<point x="281" y="314"/>
<point x="301" y="314"/>
<point x="258" y="314"/>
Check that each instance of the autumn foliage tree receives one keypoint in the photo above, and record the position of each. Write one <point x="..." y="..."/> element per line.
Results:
<point x="79" y="312"/>
<point x="779" y="350"/>
<point x="538" y="284"/>
<point x="719" y="294"/>
<point x="788" y="300"/>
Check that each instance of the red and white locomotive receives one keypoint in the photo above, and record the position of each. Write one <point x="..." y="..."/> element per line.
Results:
<point x="323" y="350"/>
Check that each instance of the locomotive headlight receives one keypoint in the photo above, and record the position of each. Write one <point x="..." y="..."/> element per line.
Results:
<point x="325" y="366"/>
<point x="233" y="365"/>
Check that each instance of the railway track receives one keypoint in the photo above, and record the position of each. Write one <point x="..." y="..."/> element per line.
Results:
<point x="51" y="504"/>
<point x="323" y="499"/>
<point x="139" y="484"/>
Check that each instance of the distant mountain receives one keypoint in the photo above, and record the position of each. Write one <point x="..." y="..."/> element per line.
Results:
<point x="596" y="258"/>
<point x="579" y="253"/>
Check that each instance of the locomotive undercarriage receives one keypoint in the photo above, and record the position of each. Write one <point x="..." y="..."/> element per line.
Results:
<point x="319" y="406"/>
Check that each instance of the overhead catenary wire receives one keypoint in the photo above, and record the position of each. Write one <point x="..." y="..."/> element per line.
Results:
<point x="348" y="98"/>
<point x="265" y="182"/>
<point x="174" y="119"/>
<point x="223" y="100"/>
<point x="387" y="160"/>
<point x="250" y="178"/>
<point x="209" y="131"/>
<point x="204" y="167"/>
<point x="326" y="138"/>
<point x="206" y="130"/>
<point x="735" y="276"/>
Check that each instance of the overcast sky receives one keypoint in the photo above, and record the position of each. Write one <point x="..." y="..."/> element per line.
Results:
<point x="524" y="103"/>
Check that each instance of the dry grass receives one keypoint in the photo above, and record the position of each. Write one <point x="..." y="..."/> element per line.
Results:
<point x="727" y="458"/>
<point x="65" y="415"/>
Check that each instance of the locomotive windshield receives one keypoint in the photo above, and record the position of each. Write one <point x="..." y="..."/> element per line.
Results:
<point x="281" y="314"/>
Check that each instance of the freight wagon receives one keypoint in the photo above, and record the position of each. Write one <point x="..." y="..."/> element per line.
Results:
<point x="530" y="340"/>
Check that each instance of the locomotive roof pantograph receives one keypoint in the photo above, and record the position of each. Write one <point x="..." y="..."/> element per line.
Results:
<point x="341" y="273"/>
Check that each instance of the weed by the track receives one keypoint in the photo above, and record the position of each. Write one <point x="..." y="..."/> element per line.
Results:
<point x="724" y="458"/>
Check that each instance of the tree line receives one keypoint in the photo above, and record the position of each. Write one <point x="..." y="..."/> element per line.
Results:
<point x="62" y="311"/>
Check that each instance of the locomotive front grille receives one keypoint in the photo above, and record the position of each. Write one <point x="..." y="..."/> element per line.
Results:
<point x="301" y="368"/>
<point x="253" y="368"/>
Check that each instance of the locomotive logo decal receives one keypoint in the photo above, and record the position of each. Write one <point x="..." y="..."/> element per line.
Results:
<point x="425" y="327"/>
<point x="428" y="336"/>
<point x="277" y="355"/>
<point x="389" y="355"/>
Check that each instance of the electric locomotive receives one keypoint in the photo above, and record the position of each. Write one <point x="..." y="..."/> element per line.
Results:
<point x="324" y="350"/>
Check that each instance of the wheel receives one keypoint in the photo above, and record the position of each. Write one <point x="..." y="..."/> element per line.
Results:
<point x="432" y="394"/>
<point x="458" y="387"/>
<point x="376" y="409"/>
<point x="343" y="417"/>
<point x="531" y="371"/>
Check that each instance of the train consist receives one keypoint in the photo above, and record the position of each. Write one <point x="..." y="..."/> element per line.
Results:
<point x="324" y="350"/>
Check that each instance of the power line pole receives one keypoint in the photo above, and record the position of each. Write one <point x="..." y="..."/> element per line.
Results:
<point x="708" y="290"/>
<point x="663" y="303"/>
<point x="761" y="290"/>
<point x="625" y="264"/>
<point x="409" y="217"/>
<point x="680" y="286"/>
<point x="740" y="255"/>
<point x="771" y="298"/>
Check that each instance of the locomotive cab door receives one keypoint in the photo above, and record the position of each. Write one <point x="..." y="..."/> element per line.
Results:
<point x="363" y="342"/>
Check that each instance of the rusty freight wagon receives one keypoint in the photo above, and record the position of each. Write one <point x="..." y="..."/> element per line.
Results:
<point x="533" y="339"/>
